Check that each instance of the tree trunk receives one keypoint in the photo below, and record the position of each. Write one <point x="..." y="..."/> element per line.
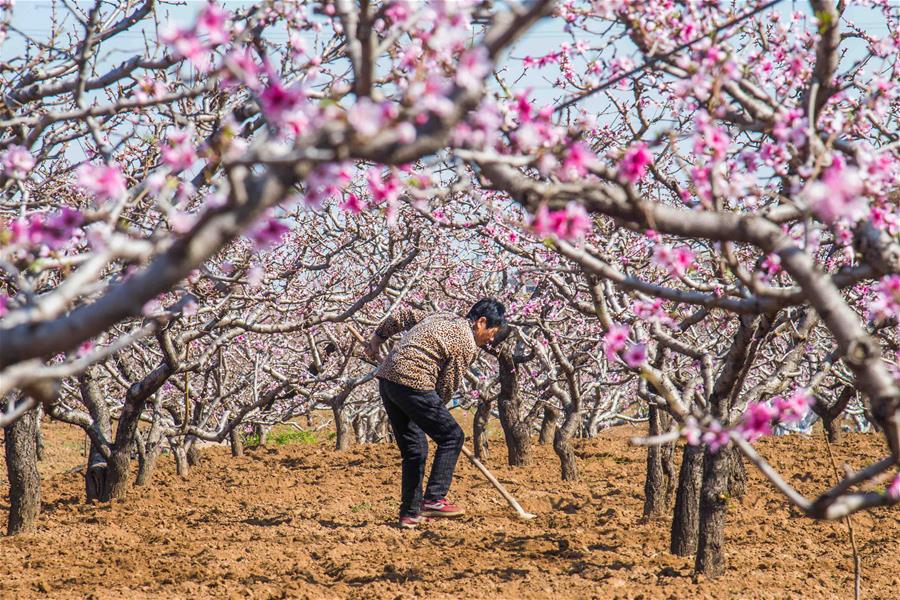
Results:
<point x="548" y="425"/>
<point x="686" y="518"/>
<point x="146" y="465"/>
<point x="39" y="434"/>
<point x="479" y="427"/>
<point x="237" y="442"/>
<point x="833" y="429"/>
<point x="515" y="429"/>
<point x="658" y="482"/>
<point x="562" y="444"/>
<point x="22" y="472"/>
<point x="182" y="467"/>
<point x="192" y="453"/>
<point x="737" y="473"/>
<point x="830" y="415"/>
<point x="713" y="497"/>
<point x="384" y="430"/>
<point x="342" y="428"/>
<point x="148" y="451"/>
<point x="361" y="428"/>
<point x="262" y="434"/>
<point x="95" y="476"/>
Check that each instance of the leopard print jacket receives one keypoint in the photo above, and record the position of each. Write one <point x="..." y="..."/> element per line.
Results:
<point x="435" y="353"/>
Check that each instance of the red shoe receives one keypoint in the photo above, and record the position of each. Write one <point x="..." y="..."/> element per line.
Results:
<point x="441" y="508"/>
<point x="410" y="522"/>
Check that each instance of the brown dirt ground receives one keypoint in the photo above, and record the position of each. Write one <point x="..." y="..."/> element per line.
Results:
<point x="302" y="521"/>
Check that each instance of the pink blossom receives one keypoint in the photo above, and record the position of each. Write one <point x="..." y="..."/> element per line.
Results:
<point x="794" y="407"/>
<point x="277" y="101"/>
<point x="383" y="189"/>
<point x="635" y="356"/>
<point x="16" y="161"/>
<point x="366" y="117"/>
<point x="326" y="181"/>
<point x="84" y="348"/>
<point x="187" y="45"/>
<point x="575" y="164"/>
<point x="615" y="340"/>
<point x="716" y="437"/>
<point x="255" y="276"/>
<point x="893" y="490"/>
<point x="213" y="22"/>
<point x="570" y="224"/>
<point x="242" y="64"/>
<point x="353" y="203"/>
<point x="691" y="431"/>
<point x="472" y="68"/>
<point x="269" y="233"/>
<point x="838" y="195"/>
<point x="4" y="300"/>
<point x="178" y="152"/>
<point x="398" y="11"/>
<point x="757" y="421"/>
<point x="653" y="311"/>
<point x="676" y="260"/>
<point x="791" y="126"/>
<point x="709" y="139"/>
<point x="633" y="165"/>
<point x="104" y="182"/>
<point x="886" y="304"/>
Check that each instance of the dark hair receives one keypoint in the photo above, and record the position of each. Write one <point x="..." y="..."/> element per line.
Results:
<point x="492" y="310"/>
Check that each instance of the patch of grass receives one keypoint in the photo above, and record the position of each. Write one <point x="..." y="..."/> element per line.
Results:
<point x="292" y="436"/>
<point x="283" y="437"/>
<point x="360" y="507"/>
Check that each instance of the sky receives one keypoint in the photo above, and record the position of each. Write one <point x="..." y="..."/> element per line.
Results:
<point x="34" y="18"/>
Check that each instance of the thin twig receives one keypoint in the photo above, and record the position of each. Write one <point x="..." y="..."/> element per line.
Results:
<point x="857" y="562"/>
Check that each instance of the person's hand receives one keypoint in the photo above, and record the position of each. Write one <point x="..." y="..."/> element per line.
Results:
<point x="373" y="349"/>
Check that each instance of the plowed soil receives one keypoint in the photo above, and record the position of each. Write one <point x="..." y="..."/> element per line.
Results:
<point x="303" y="521"/>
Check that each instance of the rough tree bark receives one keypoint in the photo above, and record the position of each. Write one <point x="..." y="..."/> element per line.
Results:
<point x="39" y="434"/>
<point x="262" y="434"/>
<point x="149" y="448"/>
<point x="548" y="425"/>
<point x="237" y="442"/>
<point x="659" y="480"/>
<point x="737" y="473"/>
<point x="686" y="519"/>
<point x="182" y="467"/>
<point x="515" y="429"/>
<point x="717" y="466"/>
<point x="22" y="472"/>
<point x="479" y="427"/>
<point x="713" y="498"/>
<point x="192" y="453"/>
<point x="95" y="488"/>
<point x="342" y="428"/>
<point x="562" y="444"/>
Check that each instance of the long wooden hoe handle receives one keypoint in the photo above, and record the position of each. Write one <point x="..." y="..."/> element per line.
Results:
<point x="490" y="477"/>
<point x="525" y="516"/>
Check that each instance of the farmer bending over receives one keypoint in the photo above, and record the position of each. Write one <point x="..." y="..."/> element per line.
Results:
<point x="417" y="378"/>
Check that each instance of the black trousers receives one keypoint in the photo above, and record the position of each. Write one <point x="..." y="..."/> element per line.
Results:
<point x="413" y="415"/>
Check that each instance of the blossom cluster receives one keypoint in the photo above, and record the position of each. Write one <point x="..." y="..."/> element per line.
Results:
<point x="571" y="223"/>
<point x="758" y="420"/>
<point x="617" y="343"/>
<point x="53" y="230"/>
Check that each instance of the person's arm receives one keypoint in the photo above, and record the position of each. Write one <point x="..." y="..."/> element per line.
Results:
<point x="401" y="319"/>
